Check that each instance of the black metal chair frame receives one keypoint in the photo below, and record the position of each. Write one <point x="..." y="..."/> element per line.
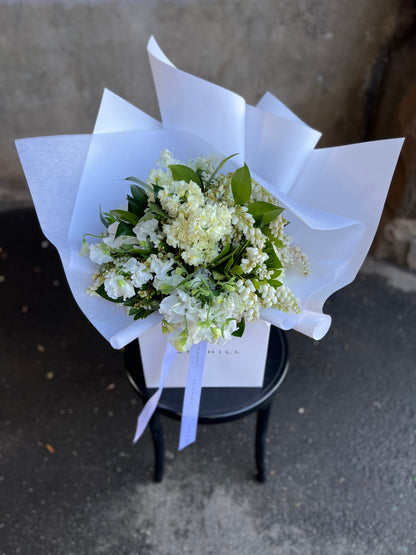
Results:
<point x="216" y="406"/>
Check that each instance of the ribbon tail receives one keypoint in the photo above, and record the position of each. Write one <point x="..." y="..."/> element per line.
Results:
<point x="192" y="395"/>
<point x="151" y="404"/>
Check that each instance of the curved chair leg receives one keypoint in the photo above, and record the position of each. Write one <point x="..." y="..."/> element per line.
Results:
<point x="158" y="445"/>
<point x="261" y="431"/>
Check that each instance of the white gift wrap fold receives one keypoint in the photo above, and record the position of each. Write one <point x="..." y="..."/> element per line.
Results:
<point x="334" y="196"/>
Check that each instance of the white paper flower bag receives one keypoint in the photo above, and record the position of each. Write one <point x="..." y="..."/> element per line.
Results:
<point x="238" y="363"/>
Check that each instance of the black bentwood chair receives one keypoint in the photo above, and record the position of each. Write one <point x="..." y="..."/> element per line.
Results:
<point x="218" y="404"/>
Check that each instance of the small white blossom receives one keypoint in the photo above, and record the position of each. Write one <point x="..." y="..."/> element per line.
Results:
<point x="100" y="253"/>
<point x="147" y="230"/>
<point x="138" y="272"/>
<point x="115" y="242"/>
<point x="117" y="286"/>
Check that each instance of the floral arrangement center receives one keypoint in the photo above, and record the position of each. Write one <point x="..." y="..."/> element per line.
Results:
<point x="206" y="249"/>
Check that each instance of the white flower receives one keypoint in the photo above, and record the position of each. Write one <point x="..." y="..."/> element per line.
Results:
<point x="115" y="242"/>
<point x="117" y="286"/>
<point x="147" y="230"/>
<point x="138" y="271"/>
<point x="85" y="249"/>
<point x="166" y="159"/>
<point x="160" y="266"/>
<point x="99" y="253"/>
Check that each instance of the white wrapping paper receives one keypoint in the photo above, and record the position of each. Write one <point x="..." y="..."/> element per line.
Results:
<point x="334" y="197"/>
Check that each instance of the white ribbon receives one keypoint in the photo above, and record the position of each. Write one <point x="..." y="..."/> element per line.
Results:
<point x="192" y="395"/>
<point x="152" y="403"/>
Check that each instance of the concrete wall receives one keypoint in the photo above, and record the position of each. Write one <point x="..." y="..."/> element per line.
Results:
<point x="318" y="56"/>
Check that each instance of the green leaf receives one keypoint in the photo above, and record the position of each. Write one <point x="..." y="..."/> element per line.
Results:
<point x="241" y="185"/>
<point x="256" y="283"/>
<point x="156" y="190"/>
<point x="124" y="229"/>
<point x="140" y="313"/>
<point x="275" y="283"/>
<point x="184" y="173"/>
<point x="147" y="216"/>
<point x="125" y="216"/>
<point x="239" y="251"/>
<point x="264" y="212"/>
<point x="104" y="219"/>
<point x="240" y="328"/>
<point x="134" y="207"/>
<point x="273" y="262"/>
<point x="220" y="257"/>
<point x="276" y="274"/>
<point x="138" y="194"/>
<point x="155" y="209"/>
<point x="217" y="275"/>
<point x="217" y="169"/>
<point x="101" y="291"/>
<point x="137" y="181"/>
<point x="237" y="270"/>
<point x="277" y="242"/>
<point x="230" y="262"/>
<point x="140" y="252"/>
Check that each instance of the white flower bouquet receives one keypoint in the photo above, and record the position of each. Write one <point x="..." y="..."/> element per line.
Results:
<point x="202" y="279"/>
<point x="206" y="250"/>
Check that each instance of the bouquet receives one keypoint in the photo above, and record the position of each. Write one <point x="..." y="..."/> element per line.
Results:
<point x="207" y="250"/>
<point x="200" y="250"/>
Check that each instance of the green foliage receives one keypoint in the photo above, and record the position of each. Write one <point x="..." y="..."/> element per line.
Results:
<point x="124" y="216"/>
<point x="137" y="202"/>
<point x="217" y="169"/>
<point x="264" y="212"/>
<point x="138" y="182"/>
<point x="241" y="185"/>
<point x="104" y="219"/>
<point x="276" y="242"/>
<point x="125" y="229"/>
<point x="241" y="326"/>
<point x="157" y="211"/>
<point x="184" y="173"/>
<point x="273" y="262"/>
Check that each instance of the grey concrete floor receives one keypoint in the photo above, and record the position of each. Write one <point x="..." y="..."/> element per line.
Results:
<point x="341" y="445"/>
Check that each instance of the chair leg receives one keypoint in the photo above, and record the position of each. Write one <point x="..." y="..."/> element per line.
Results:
<point x="158" y="445"/>
<point x="261" y="431"/>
